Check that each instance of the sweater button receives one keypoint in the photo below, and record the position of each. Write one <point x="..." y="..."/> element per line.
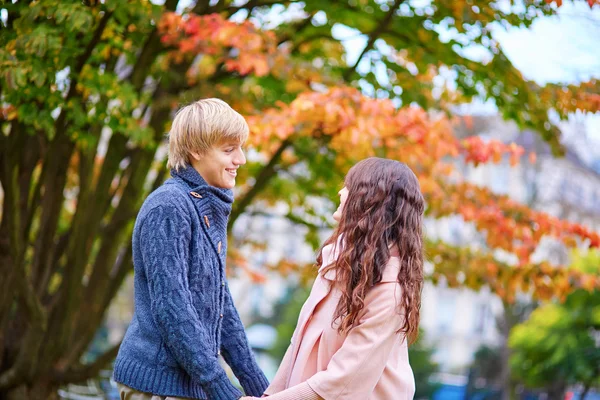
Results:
<point x="206" y="221"/>
<point x="221" y="316"/>
<point x="219" y="247"/>
<point x="196" y="195"/>
<point x="222" y="283"/>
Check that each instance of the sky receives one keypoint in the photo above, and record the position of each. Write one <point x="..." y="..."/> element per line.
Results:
<point x="565" y="48"/>
<point x="561" y="48"/>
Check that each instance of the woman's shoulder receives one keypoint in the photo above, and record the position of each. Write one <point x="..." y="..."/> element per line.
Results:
<point x="383" y="300"/>
<point x="388" y="290"/>
<point x="391" y="270"/>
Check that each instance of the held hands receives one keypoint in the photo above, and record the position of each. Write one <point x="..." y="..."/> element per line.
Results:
<point x="253" y="398"/>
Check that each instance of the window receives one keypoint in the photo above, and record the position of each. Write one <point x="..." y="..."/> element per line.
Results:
<point x="480" y="317"/>
<point x="446" y="306"/>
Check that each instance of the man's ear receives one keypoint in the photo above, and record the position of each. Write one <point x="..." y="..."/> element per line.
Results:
<point x="196" y="156"/>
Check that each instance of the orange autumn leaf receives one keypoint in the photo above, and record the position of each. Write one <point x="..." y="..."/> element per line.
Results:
<point x="356" y="125"/>
<point x="212" y="34"/>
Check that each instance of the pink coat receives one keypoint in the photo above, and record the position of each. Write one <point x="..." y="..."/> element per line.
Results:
<point x="368" y="363"/>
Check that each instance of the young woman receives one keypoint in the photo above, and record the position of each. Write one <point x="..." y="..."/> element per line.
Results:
<point x="351" y="339"/>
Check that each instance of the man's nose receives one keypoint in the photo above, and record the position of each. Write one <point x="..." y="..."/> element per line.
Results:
<point x="240" y="158"/>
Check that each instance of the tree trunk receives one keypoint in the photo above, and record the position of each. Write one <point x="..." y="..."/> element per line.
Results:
<point x="37" y="391"/>
<point x="586" y="389"/>
<point x="513" y="315"/>
<point x="557" y="391"/>
<point x="505" y="381"/>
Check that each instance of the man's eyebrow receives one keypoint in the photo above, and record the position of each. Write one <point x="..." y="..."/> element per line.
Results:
<point x="228" y="144"/>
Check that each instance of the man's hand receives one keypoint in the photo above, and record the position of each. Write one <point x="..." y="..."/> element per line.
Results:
<point x="253" y="398"/>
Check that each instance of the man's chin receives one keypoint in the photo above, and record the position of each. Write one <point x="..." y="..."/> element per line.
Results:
<point x="225" y="185"/>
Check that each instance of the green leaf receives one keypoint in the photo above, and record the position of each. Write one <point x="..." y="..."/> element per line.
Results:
<point x="39" y="77"/>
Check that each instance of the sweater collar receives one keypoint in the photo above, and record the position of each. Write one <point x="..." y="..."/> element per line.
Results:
<point x="196" y="183"/>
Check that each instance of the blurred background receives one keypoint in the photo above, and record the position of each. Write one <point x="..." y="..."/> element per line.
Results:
<point x="494" y="104"/>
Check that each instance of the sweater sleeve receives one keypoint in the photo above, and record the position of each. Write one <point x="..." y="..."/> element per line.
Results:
<point x="279" y="382"/>
<point x="301" y="391"/>
<point x="236" y="351"/>
<point x="164" y="238"/>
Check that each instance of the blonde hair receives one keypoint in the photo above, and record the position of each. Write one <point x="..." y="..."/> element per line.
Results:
<point x="201" y="125"/>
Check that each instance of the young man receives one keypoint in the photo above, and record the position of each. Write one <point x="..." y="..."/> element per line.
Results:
<point x="184" y="316"/>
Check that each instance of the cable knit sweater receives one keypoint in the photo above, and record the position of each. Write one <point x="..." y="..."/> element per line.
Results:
<point x="184" y="316"/>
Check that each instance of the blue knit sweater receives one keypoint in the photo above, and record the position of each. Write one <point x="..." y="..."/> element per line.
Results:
<point x="184" y="316"/>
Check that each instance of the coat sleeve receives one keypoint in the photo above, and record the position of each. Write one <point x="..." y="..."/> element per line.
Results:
<point x="164" y="239"/>
<point x="279" y="382"/>
<point x="236" y="351"/>
<point x="301" y="391"/>
<point x="357" y="366"/>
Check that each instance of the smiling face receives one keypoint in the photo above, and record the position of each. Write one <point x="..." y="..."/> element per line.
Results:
<point x="218" y="166"/>
<point x="343" y="193"/>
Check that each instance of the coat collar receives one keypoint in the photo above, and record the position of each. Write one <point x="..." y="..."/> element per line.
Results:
<point x="323" y="286"/>
<point x="331" y="251"/>
<point x="196" y="183"/>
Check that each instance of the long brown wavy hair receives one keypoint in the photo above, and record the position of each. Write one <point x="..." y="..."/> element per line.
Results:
<point x="383" y="213"/>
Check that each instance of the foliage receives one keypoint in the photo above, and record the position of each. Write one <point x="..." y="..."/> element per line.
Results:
<point x="420" y="355"/>
<point x="355" y="126"/>
<point x="285" y="319"/>
<point x="487" y="364"/>
<point x="559" y="342"/>
<point x="88" y="89"/>
<point x="485" y="374"/>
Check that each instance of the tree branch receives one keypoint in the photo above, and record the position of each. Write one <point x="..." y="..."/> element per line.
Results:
<point x="6" y="287"/>
<point x="33" y="205"/>
<point x="50" y="268"/>
<point x="141" y="162"/>
<point x="89" y="49"/>
<point x="298" y="27"/>
<point x="27" y="165"/>
<point x="79" y="64"/>
<point x="56" y="165"/>
<point x="103" y="289"/>
<point x="295" y="219"/>
<point x="71" y="291"/>
<point x="57" y="159"/>
<point x="17" y="276"/>
<point x="149" y="53"/>
<point x="84" y="223"/>
<point x="88" y="371"/>
<point x="26" y="360"/>
<point x="54" y="180"/>
<point x="203" y="7"/>
<point x="309" y="39"/>
<point x="262" y="179"/>
<point x="11" y="242"/>
<point x="373" y="36"/>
